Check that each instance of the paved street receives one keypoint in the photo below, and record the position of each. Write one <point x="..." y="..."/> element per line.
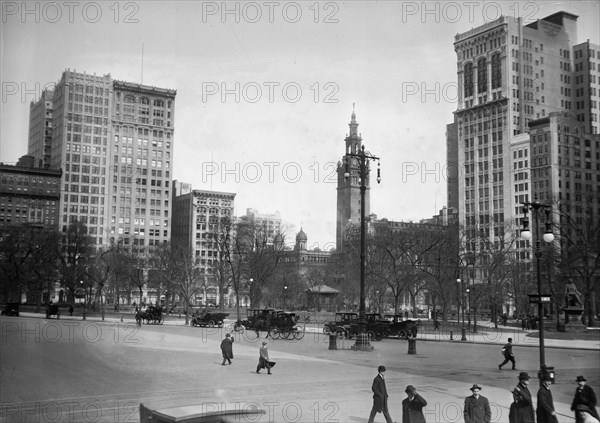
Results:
<point x="73" y="370"/>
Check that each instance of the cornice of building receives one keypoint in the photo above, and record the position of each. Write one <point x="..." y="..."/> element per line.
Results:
<point x="143" y="89"/>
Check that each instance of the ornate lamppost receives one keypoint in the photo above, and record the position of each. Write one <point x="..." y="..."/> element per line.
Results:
<point x="362" y="159"/>
<point x="462" y="310"/>
<point x="540" y="298"/>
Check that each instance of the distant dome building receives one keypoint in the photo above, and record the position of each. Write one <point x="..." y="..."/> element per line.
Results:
<point x="301" y="240"/>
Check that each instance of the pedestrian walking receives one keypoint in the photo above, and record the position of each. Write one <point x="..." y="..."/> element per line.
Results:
<point x="436" y="324"/>
<point x="227" y="348"/>
<point x="545" y="405"/>
<point x="412" y="406"/>
<point x="522" y="407"/>
<point x="584" y="396"/>
<point x="380" y="396"/>
<point x="263" y="359"/>
<point x="71" y="310"/>
<point x="508" y="355"/>
<point x="477" y="407"/>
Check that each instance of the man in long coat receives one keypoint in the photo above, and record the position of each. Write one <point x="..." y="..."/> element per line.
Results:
<point x="380" y="397"/>
<point x="477" y="407"/>
<point x="584" y="395"/>
<point x="227" y="349"/>
<point x="545" y="405"/>
<point x="412" y="406"/>
<point x="523" y="404"/>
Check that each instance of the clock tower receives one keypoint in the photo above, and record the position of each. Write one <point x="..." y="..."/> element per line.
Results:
<point x="348" y="189"/>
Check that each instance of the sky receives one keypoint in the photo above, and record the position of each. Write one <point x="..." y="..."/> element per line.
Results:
<point x="265" y="89"/>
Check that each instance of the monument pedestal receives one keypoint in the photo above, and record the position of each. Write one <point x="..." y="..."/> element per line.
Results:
<point x="573" y="317"/>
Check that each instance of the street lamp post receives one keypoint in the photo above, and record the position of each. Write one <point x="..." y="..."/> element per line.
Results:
<point x="284" y="295"/>
<point x="84" y="299"/>
<point x="548" y="236"/>
<point x="362" y="158"/>
<point x="468" y="306"/>
<point x="462" y="310"/>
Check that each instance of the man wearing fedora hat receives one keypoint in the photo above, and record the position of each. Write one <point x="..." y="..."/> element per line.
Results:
<point x="584" y="396"/>
<point x="545" y="405"/>
<point x="477" y="407"/>
<point x="522" y="407"/>
<point x="412" y="406"/>
<point x="380" y="396"/>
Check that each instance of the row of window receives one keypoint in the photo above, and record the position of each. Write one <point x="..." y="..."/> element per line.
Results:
<point x="131" y="99"/>
<point x="482" y="81"/>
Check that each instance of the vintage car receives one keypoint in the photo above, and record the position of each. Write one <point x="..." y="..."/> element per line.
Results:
<point x="206" y="319"/>
<point x="402" y="327"/>
<point x="205" y="412"/>
<point x="11" y="309"/>
<point x="342" y="320"/>
<point x="52" y="310"/>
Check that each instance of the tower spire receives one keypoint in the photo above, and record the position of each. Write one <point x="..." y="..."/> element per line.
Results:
<point x="353" y="124"/>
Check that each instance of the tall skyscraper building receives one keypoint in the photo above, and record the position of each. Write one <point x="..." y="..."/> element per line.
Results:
<point x="40" y="128"/>
<point x="114" y="143"/>
<point x="141" y="163"/>
<point x="510" y="76"/>
<point x="198" y="227"/>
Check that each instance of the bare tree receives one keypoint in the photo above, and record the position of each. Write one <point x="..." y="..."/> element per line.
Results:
<point x="580" y="249"/>
<point x="76" y="248"/>
<point x="99" y="271"/>
<point x="190" y="279"/>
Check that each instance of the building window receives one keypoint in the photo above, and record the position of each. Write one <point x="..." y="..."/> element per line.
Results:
<point x="496" y="71"/>
<point x="468" y="80"/>
<point x="481" y="76"/>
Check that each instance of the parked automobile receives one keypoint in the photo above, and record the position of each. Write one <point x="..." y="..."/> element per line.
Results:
<point x="401" y="327"/>
<point x="11" y="309"/>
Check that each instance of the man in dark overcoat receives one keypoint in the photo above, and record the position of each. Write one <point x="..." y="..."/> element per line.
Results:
<point x="477" y="407"/>
<point x="380" y="396"/>
<point x="545" y="405"/>
<point x="523" y="402"/>
<point x="508" y="355"/>
<point x="412" y="406"/>
<point x="227" y="349"/>
<point x="584" y="395"/>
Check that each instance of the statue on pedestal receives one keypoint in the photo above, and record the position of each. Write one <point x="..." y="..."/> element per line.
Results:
<point x="573" y="306"/>
<point x="573" y="298"/>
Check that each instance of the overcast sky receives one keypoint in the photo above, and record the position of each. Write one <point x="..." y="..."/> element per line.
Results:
<point x="265" y="90"/>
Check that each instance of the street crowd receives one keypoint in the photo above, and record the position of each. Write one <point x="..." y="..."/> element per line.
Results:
<point x="476" y="406"/>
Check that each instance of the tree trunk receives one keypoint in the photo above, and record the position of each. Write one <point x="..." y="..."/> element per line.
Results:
<point x="101" y="301"/>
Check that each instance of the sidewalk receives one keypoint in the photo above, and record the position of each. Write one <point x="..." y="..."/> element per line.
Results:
<point x="486" y="332"/>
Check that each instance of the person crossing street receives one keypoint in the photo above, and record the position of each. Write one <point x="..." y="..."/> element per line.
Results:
<point x="508" y="355"/>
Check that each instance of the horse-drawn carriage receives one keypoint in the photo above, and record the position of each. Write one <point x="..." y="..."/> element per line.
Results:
<point x="151" y="316"/>
<point x="277" y="323"/>
<point x="207" y="319"/>
<point x="52" y="310"/>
